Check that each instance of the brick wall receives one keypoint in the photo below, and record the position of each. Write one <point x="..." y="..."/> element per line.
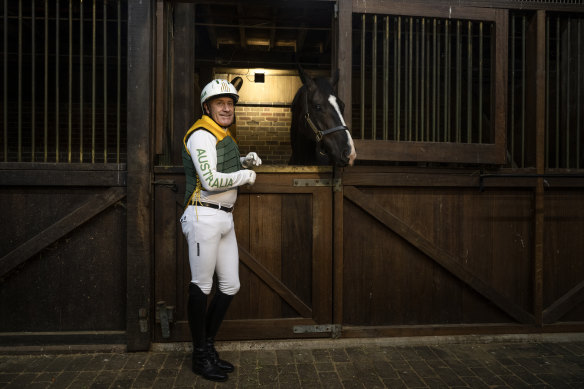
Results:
<point x="265" y="130"/>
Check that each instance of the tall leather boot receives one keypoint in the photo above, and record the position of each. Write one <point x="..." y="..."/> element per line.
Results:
<point x="215" y="315"/>
<point x="203" y="362"/>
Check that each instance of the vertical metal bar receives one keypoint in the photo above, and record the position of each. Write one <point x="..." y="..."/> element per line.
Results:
<point x="33" y="83"/>
<point x="423" y="78"/>
<point x="416" y="90"/>
<point x="558" y="92"/>
<point x="374" y="80"/>
<point x="70" y="105"/>
<point x="5" y="76"/>
<point x="438" y="78"/>
<point x="362" y="76"/>
<point x="395" y="79"/>
<point x="469" y="87"/>
<point x="46" y="113"/>
<point x="547" y="91"/>
<point x="119" y="81"/>
<point x="568" y="56"/>
<point x="523" y="69"/>
<point x="578" y="93"/>
<point x="399" y="33"/>
<point x="512" y="108"/>
<point x="57" y="54"/>
<point x="386" y="78"/>
<point x="19" y="154"/>
<point x="458" y="81"/>
<point x="436" y="69"/>
<point x="446" y="81"/>
<point x="105" y="81"/>
<point x="480" y="109"/>
<point x="93" y="39"/>
<point x="81" y="38"/>
<point x="410" y="71"/>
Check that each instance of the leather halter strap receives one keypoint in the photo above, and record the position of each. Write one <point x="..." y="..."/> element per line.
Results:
<point x="318" y="133"/>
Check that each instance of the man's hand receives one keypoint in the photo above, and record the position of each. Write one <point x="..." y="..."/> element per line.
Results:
<point x="251" y="159"/>
<point x="251" y="177"/>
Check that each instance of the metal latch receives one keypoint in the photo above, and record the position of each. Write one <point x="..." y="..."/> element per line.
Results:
<point x="164" y="316"/>
<point x="336" y="183"/>
<point x="334" y="329"/>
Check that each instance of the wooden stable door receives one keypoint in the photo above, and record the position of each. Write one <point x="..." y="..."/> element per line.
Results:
<point x="284" y="231"/>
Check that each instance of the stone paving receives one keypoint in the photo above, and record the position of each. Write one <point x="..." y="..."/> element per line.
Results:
<point x="357" y="363"/>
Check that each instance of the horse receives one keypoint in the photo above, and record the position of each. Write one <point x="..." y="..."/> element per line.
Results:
<point x="318" y="133"/>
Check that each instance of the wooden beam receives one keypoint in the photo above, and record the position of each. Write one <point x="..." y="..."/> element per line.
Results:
<point x="441" y="257"/>
<point x="277" y="286"/>
<point x="338" y="258"/>
<point x="87" y="211"/>
<point x="564" y="304"/>
<point x="344" y="56"/>
<point x="139" y="313"/>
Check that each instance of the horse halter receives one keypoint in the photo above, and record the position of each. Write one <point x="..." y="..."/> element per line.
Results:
<point x="318" y="133"/>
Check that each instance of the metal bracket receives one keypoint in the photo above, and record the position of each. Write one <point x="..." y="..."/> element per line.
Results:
<point x="334" y="329"/>
<point x="164" y="316"/>
<point x="335" y="183"/>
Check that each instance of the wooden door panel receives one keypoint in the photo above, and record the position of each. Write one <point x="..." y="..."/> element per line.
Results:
<point x="284" y="234"/>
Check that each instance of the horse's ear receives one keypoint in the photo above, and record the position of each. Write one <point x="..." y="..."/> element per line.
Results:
<point x="335" y="78"/>
<point x="237" y="82"/>
<point x="306" y="79"/>
<point x="301" y="74"/>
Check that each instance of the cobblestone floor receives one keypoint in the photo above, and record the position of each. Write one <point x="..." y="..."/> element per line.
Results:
<point x="329" y="364"/>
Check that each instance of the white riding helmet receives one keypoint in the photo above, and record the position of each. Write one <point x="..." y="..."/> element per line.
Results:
<point x="218" y="88"/>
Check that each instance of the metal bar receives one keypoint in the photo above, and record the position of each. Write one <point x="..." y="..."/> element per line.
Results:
<point x="70" y="105"/>
<point x="579" y="92"/>
<point x="46" y="113"/>
<point x="523" y="68"/>
<point x="410" y="71"/>
<point x="57" y="90"/>
<point x="422" y="41"/>
<point x="105" y="81"/>
<point x="438" y="68"/>
<point x="446" y="81"/>
<point x="374" y="80"/>
<point x="33" y="82"/>
<point x="512" y="120"/>
<point x="119" y="82"/>
<point x="386" y="78"/>
<point x="5" y="76"/>
<point x="93" y="39"/>
<point x="395" y="80"/>
<point x="547" y="89"/>
<point x="458" y="82"/>
<point x="362" y="67"/>
<point x="81" y="81"/>
<point x="480" y="109"/>
<point x="568" y="56"/>
<point x="557" y="92"/>
<point x="469" y="86"/>
<point x="435" y="68"/>
<point x="399" y="22"/>
<point x="415" y="90"/>
<point x="19" y="154"/>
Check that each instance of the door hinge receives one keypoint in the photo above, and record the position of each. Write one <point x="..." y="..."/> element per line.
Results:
<point x="334" y="329"/>
<point x="336" y="183"/>
<point x="164" y="316"/>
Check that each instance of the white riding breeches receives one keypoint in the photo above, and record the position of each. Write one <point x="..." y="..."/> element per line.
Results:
<point x="213" y="249"/>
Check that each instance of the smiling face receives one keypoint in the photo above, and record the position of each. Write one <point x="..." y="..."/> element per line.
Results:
<point x="222" y="110"/>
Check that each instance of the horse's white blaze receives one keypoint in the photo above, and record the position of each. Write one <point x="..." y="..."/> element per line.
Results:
<point x="333" y="101"/>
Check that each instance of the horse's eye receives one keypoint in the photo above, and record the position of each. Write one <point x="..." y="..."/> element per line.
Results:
<point x="317" y="107"/>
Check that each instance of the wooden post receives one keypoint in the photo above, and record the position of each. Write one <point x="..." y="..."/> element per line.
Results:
<point x="345" y="25"/>
<point x="535" y="122"/>
<point x="139" y="315"/>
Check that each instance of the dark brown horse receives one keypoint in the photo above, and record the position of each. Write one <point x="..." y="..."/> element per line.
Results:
<point x="318" y="134"/>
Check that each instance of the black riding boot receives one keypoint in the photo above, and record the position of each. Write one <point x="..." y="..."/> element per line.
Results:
<point x="215" y="316"/>
<point x="203" y="361"/>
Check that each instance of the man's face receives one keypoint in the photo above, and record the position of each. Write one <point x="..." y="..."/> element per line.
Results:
<point x="222" y="110"/>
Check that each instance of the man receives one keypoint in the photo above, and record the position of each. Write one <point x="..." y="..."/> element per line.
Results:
<point x="214" y="170"/>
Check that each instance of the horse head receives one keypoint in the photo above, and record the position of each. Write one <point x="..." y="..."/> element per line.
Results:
<point x="321" y="130"/>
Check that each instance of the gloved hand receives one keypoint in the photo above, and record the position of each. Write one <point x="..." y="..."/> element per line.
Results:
<point x="251" y="176"/>
<point x="251" y="159"/>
